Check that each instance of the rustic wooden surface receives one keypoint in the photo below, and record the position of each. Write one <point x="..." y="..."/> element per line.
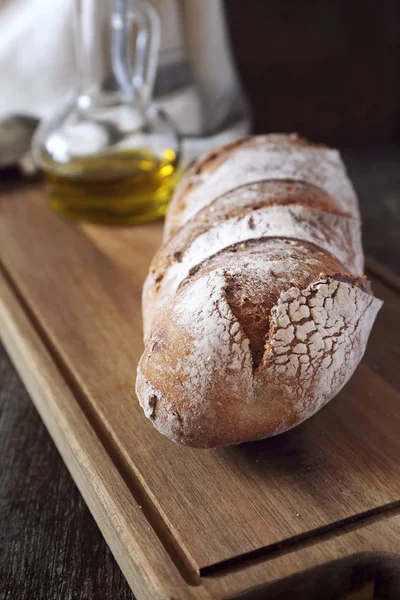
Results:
<point x="14" y="496"/>
<point x="62" y="414"/>
<point x="51" y="547"/>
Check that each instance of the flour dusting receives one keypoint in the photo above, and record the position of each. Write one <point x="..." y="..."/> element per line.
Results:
<point x="262" y="159"/>
<point x="338" y="235"/>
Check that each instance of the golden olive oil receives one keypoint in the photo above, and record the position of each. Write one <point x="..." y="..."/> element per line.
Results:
<point x="128" y="186"/>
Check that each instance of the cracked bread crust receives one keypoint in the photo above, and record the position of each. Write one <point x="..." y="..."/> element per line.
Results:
<point x="209" y="390"/>
<point x="256" y="311"/>
<point x="274" y="209"/>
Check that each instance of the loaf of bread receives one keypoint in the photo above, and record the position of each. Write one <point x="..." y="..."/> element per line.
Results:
<point x="256" y="310"/>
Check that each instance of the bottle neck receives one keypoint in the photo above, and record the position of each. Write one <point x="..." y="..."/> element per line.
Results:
<point x="116" y="46"/>
<point x="93" y="49"/>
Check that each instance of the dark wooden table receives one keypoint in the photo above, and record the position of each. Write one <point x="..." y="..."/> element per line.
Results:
<point x="50" y="547"/>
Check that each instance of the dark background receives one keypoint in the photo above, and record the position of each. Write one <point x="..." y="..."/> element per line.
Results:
<point x="327" y="69"/>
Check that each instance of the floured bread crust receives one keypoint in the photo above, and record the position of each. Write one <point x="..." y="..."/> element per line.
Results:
<point x="256" y="312"/>
<point x="255" y="159"/>
<point x="338" y="234"/>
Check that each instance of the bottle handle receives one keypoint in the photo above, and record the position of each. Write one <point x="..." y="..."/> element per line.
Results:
<point x="135" y="76"/>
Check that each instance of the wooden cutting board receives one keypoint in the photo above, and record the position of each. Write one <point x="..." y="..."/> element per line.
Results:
<point x="186" y="523"/>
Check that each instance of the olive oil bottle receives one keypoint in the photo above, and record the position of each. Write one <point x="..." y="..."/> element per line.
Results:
<point x="111" y="155"/>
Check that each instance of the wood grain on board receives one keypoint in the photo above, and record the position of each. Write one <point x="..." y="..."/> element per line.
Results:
<point x="71" y="321"/>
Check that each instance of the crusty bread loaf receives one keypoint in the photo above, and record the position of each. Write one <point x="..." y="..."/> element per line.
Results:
<point x="255" y="310"/>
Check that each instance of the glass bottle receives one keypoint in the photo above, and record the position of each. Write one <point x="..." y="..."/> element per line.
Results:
<point x="111" y="154"/>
